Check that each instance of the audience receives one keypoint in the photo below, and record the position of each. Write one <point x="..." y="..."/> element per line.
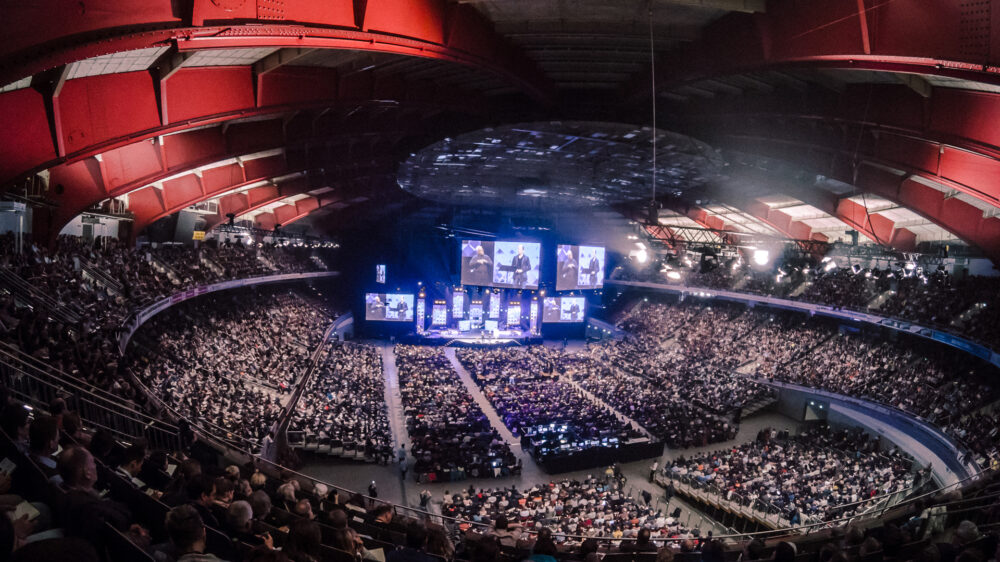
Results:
<point x="344" y="403"/>
<point x="451" y="436"/>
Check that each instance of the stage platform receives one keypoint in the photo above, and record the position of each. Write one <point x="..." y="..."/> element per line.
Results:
<point x="473" y="338"/>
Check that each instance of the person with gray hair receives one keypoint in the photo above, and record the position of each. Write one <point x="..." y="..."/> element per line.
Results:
<point x="260" y="503"/>
<point x="240" y="525"/>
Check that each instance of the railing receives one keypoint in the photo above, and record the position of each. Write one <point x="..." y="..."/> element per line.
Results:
<point x="37" y="386"/>
<point x="26" y="291"/>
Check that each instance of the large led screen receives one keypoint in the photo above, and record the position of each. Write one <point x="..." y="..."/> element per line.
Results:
<point x="389" y="307"/>
<point x="563" y="309"/>
<point x="508" y="265"/>
<point x="579" y="267"/>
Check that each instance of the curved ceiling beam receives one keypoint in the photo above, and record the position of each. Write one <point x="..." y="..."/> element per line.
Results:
<point x="923" y="36"/>
<point x="88" y="116"/>
<point x="345" y="189"/>
<point x="425" y="28"/>
<point x="77" y="186"/>
<point x="950" y="137"/>
<point x="874" y="226"/>
<point x="958" y="217"/>
<point x="152" y="203"/>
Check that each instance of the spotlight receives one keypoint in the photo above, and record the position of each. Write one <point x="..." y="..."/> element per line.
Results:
<point x="642" y="256"/>
<point x="673" y="275"/>
<point x="830" y="266"/>
<point x="761" y="257"/>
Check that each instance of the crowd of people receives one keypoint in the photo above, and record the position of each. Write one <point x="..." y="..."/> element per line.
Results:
<point x="218" y="362"/>
<point x="344" y="402"/>
<point x="686" y="355"/>
<point x="963" y="304"/>
<point x="451" y="436"/>
<point x="525" y="387"/>
<point x="94" y="498"/>
<point x="594" y="506"/>
<point x="816" y="476"/>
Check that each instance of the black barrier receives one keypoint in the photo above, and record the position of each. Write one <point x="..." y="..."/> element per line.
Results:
<point x="592" y="457"/>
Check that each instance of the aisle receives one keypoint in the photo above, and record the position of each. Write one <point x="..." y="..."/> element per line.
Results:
<point x="480" y="399"/>
<point x="621" y="417"/>
<point x="530" y="472"/>
<point x="393" y="398"/>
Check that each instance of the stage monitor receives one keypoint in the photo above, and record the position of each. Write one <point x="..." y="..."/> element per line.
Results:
<point x="439" y="313"/>
<point x="563" y="309"/>
<point x="579" y="267"/>
<point x="508" y="265"/>
<point x="389" y="307"/>
<point x="380" y="273"/>
<point x="513" y="315"/>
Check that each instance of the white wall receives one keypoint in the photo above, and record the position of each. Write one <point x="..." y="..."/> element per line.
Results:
<point x="108" y="227"/>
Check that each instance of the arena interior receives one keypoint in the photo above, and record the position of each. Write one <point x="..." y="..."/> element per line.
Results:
<point x="500" y="280"/>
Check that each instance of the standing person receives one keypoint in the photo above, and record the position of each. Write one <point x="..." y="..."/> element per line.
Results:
<point x="653" y="468"/>
<point x="480" y="268"/>
<point x="521" y="264"/>
<point x="373" y="492"/>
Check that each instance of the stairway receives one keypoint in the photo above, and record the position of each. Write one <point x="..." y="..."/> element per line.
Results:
<point x="757" y="405"/>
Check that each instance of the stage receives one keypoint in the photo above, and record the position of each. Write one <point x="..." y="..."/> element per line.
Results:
<point x="476" y="337"/>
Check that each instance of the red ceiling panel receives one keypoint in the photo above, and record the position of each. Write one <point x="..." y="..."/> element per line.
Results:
<point x="235" y="201"/>
<point x="966" y="114"/>
<point x="212" y="10"/>
<point x="99" y="108"/>
<point x="917" y="27"/>
<point x="913" y="153"/>
<point x="813" y="28"/>
<point x="32" y="23"/>
<point x="306" y="205"/>
<point x="145" y="203"/>
<point x="131" y="163"/>
<point x="178" y="191"/>
<point x="194" y="146"/>
<point x="195" y="92"/>
<point x="220" y="177"/>
<point x="265" y="167"/>
<point x="254" y="136"/>
<point x="903" y="239"/>
<point x="265" y="221"/>
<point x="260" y="195"/>
<point x="285" y="213"/>
<point x="25" y="142"/>
<point x="423" y="19"/>
<point x="973" y="170"/>
<point x="297" y="84"/>
<point x="469" y="31"/>
<point x="339" y="13"/>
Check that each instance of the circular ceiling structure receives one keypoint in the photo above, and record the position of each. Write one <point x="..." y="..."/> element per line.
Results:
<point x="557" y="165"/>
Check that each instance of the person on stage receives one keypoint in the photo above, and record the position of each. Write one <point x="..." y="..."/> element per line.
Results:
<point x="521" y="265"/>
<point x="480" y="268"/>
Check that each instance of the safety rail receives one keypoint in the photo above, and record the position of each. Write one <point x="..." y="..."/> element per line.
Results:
<point x="37" y="387"/>
<point x="102" y="278"/>
<point x="25" y="291"/>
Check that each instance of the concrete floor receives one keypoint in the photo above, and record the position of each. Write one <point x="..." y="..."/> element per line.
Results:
<point x="391" y="487"/>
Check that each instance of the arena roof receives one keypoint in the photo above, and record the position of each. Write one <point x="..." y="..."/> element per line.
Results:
<point x="847" y="104"/>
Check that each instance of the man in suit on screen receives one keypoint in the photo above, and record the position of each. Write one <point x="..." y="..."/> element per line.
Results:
<point x="521" y="265"/>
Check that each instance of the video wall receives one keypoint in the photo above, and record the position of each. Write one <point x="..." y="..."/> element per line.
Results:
<point x="563" y="309"/>
<point x="507" y="265"/>
<point x="389" y="307"/>
<point x="579" y="267"/>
